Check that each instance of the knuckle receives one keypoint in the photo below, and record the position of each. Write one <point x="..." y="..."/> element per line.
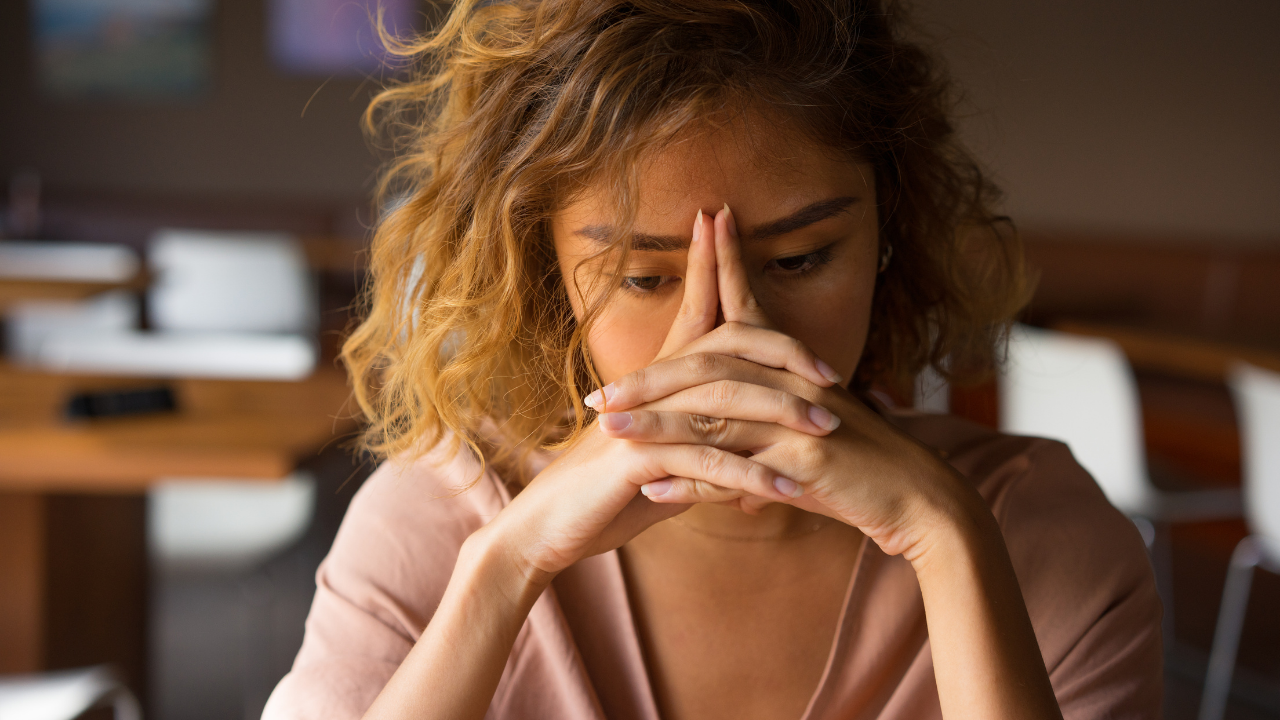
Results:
<point x="646" y="424"/>
<point x="798" y="348"/>
<point x="722" y="394"/>
<point x="634" y="382"/>
<point x="710" y="461"/>
<point x="809" y="453"/>
<point x="711" y="429"/>
<point x="703" y="365"/>
<point x="701" y="489"/>
<point x="710" y="492"/>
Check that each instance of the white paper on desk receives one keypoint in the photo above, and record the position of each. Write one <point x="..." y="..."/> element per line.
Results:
<point x="243" y="356"/>
<point x="67" y="261"/>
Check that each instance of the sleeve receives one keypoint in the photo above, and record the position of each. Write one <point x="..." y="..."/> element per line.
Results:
<point x="377" y="589"/>
<point x="1089" y="588"/>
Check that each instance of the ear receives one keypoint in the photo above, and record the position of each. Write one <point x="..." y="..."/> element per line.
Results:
<point x="736" y="299"/>
<point x="698" y="306"/>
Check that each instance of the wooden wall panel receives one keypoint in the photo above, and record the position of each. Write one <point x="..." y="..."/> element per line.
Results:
<point x="22" y="580"/>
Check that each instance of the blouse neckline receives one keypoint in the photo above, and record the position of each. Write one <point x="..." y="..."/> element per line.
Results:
<point x="635" y="653"/>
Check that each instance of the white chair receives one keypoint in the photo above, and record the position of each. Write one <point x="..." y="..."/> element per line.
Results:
<point x="226" y="524"/>
<point x="1257" y="397"/>
<point x="65" y="695"/>
<point x="209" y="287"/>
<point x="1081" y="390"/>
<point x="229" y="282"/>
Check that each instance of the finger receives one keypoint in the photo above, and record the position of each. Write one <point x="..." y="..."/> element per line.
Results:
<point x="701" y="300"/>
<point x="671" y="490"/>
<point x="736" y="299"/>
<point x="638" y="515"/>
<point x="677" y="428"/>
<point x="715" y="466"/>
<point x="769" y="348"/>
<point x="706" y="415"/>
<point x="690" y="371"/>
<point x="765" y="347"/>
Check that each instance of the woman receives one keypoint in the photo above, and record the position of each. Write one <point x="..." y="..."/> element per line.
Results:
<point x="650" y="259"/>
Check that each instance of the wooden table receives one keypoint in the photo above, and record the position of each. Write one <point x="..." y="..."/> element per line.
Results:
<point x="1176" y="355"/>
<point x="72" y="498"/>
<point x="13" y="291"/>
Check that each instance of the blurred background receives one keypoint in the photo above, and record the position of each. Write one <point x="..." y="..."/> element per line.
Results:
<point x="185" y="195"/>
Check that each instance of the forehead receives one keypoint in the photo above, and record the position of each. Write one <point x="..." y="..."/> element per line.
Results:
<point x="762" y="168"/>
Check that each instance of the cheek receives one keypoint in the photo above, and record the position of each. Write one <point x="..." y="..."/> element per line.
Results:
<point x="628" y="335"/>
<point x="831" y="317"/>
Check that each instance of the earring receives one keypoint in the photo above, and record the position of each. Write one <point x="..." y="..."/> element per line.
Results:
<point x="885" y="255"/>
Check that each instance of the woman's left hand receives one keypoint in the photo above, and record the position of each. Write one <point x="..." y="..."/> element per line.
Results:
<point x="731" y="388"/>
<point x="864" y="472"/>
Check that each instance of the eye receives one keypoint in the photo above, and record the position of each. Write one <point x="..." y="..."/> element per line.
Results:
<point x="801" y="264"/>
<point x="646" y="283"/>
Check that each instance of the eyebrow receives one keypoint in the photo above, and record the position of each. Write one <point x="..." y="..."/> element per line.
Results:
<point x="802" y="218"/>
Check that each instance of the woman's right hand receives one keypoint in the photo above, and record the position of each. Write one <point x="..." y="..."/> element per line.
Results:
<point x="588" y="500"/>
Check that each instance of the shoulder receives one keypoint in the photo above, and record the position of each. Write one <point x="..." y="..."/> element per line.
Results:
<point x="383" y="579"/>
<point x="1057" y="523"/>
<point x="1034" y="486"/>
<point x="401" y="535"/>
<point x="1083" y="569"/>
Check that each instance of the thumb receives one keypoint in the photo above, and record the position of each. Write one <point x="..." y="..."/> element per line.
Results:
<point x="738" y="302"/>
<point x="698" y="306"/>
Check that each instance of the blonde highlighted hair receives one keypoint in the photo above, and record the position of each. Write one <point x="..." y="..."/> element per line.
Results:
<point x="513" y="107"/>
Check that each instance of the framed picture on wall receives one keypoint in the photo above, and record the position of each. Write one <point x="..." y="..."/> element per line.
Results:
<point x="334" y="37"/>
<point x="121" y="49"/>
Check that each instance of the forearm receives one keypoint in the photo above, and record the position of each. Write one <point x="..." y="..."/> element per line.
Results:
<point x="455" y="666"/>
<point x="986" y="660"/>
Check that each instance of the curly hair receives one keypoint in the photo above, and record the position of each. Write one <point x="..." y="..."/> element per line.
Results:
<point x="511" y="108"/>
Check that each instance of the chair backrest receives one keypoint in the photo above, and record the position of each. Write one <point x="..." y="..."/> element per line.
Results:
<point x="1079" y="390"/>
<point x="230" y="282"/>
<point x="1257" y="397"/>
<point x="227" y="523"/>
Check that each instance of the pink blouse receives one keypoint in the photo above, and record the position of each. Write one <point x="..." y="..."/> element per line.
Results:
<point x="1082" y="567"/>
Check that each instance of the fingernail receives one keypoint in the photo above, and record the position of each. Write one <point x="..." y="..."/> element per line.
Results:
<point x="730" y="224"/>
<point x="823" y="418"/>
<point x="656" y="488"/>
<point x="615" y="422"/>
<point x="787" y="487"/>
<point x="697" y="227"/>
<point x="598" y="399"/>
<point x="827" y="371"/>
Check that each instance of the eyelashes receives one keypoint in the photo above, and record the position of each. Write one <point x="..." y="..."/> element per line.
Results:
<point x="790" y="267"/>
<point x="647" y="284"/>
<point x="798" y="265"/>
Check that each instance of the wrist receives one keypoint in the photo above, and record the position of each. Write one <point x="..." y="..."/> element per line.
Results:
<point x="492" y="562"/>
<point x="959" y="529"/>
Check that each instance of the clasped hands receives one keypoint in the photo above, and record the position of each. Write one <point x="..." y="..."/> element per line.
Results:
<point x="739" y="414"/>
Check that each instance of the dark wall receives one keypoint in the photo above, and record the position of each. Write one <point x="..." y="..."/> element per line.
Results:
<point x="1111" y="117"/>
<point x="249" y="137"/>
<point x="1142" y="117"/>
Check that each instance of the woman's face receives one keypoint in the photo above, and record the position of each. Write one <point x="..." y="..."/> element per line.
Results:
<point x="809" y="232"/>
